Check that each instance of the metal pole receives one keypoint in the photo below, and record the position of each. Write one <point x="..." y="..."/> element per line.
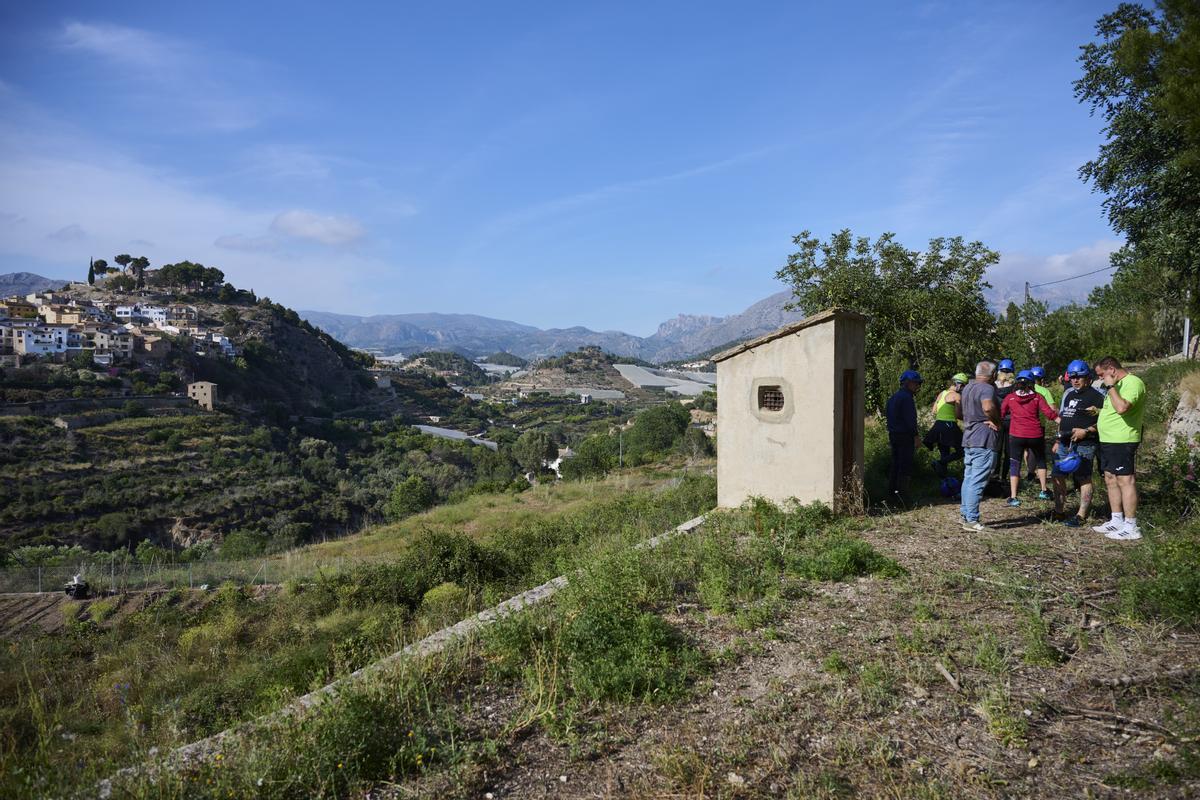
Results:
<point x="1187" y="325"/>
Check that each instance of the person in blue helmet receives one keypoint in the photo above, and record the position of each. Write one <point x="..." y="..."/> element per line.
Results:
<point x="903" y="434"/>
<point x="1025" y="408"/>
<point x="1039" y="386"/>
<point x="1005" y="385"/>
<point x="1078" y="433"/>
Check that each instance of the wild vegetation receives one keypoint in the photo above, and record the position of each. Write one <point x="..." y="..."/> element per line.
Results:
<point x="183" y="665"/>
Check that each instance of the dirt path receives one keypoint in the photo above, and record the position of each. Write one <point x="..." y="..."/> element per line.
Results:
<point x="983" y="674"/>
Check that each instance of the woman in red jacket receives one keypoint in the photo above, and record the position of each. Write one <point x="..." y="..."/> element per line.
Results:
<point x="1025" y="433"/>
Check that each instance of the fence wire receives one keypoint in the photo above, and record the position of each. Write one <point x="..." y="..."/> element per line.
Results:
<point x="133" y="576"/>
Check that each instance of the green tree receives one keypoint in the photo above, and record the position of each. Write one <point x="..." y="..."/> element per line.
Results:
<point x="121" y="283"/>
<point x="91" y="273"/>
<point x="654" y="431"/>
<point x="533" y="448"/>
<point x="411" y="496"/>
<point x="593" y="458"/>
<point x="926" y="310"/>
<point x="140" y="264"/>
<point x="100" y="265"/>
<point x="1141" y="76"/>
<point x="124" y="260"/>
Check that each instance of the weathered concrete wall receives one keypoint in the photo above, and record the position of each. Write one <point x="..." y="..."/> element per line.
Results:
<point x="80" y="405"/>
<point x="795" y="453"/>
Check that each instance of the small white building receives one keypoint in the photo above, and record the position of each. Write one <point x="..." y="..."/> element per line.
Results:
<point x="43" y="340"/>
<point x="790" y="420"/>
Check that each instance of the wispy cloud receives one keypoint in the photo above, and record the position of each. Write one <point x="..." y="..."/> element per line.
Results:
<point x="167" y="78"/>
<point x="561" y="205"/>
<point x="330" y="230"/>
<point x="123" y="205"/>
<point x="69" y="233"/>
<point x="247" y="244"/>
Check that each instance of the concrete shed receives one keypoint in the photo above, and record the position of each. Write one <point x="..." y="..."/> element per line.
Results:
<point x="790" y="414"/>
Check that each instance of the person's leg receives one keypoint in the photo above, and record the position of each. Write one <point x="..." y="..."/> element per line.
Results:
<point x="1085" y="497"/>
<point x="1060" y="493"/>
<point x="1129" y="498"/>
<point x="939" y="466"/>
<point x="1114" y="494"/>
<point x="1038" y="449"/>
<point x="977" y="467"/>
<point x="907" y="452"/>
<point x="894" y="466"/>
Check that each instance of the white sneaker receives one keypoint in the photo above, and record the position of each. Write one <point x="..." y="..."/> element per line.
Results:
<point x="1126" y="534"/>
<point x="975" y="527"/>
<point x="1109" y="527"/>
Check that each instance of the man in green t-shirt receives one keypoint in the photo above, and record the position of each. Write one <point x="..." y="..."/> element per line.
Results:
<point x="1120" y="428"/>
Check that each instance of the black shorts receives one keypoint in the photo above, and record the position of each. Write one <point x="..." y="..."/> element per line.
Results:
<point x="1117" y="458"/>
<point x="1017" y="445"/>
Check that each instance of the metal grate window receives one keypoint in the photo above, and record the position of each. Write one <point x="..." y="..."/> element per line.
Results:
<point x="770" y="398"/>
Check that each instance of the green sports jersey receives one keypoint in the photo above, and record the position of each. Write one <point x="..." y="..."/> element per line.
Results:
<point x="1123" y="428"/>
<point x="1049" y="398"/>
<point x="944" y="411"/>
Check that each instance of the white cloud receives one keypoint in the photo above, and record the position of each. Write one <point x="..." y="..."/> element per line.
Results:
<point x="172" y="81"/>
<point x="1009" y="276"/>
<point x="46" y="179"/>
<point x="70" y="233"/>
<point x="331" y="230"/>
<point x="247" y="244"/>
<point x="121" y="45"/>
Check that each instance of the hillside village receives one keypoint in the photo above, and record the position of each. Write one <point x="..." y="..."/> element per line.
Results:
<point x="55" y="327"/>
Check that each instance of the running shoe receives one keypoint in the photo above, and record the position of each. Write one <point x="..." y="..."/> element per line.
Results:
<point x="1126" y="534"/>
<point x="1109" y="527"/>
<point x="976" y="527"/>
<point x="1044" y="495"/>
<point x="1074" y="521"/>
<point x="1013" y="502"/>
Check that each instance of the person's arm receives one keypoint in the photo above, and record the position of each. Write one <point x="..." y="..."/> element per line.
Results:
<point x="1047" y="410"/>
<point x="1119" y="404"/>
<point x="958" y="411"/>
<point x="993" y="413"/>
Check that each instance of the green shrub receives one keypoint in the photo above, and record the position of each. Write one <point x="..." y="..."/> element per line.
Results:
<point x="445" y="603"/>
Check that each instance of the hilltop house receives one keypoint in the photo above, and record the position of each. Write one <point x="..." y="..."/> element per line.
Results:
<point x="204" y="393"/>
<point x="791" y="413"/>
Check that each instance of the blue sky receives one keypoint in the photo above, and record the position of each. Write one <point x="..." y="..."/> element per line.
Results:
<point x="603" y="164"/>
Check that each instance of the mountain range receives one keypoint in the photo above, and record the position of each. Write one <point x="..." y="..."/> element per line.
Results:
<point x="23" y="283"/>
<point x="677" y="338"/>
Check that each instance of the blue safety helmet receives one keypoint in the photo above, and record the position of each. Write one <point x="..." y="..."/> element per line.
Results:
<point x="1038" y="372"/>
<point x="949" y="486"/>
<point x="1068" y="462"/>
<point x="1078" y="369"/>
<point x="1025" y="375"/>
<point x="1006" y="365"/>
<point x="910" y="375"/>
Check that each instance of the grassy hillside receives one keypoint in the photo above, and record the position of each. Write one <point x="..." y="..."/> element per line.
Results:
<point x="790" y="654"/>
<point x="185" y="665"/>
<point x="183" y="479"/>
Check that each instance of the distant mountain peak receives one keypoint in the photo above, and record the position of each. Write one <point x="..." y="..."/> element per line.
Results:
<point x="685" y="324"/>
<point x="679" y="337"/>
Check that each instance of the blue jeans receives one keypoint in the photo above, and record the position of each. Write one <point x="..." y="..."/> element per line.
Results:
<point x="977" y="468"/>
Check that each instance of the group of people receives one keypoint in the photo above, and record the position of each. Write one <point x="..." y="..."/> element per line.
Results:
<point x="1003" y="414"/>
